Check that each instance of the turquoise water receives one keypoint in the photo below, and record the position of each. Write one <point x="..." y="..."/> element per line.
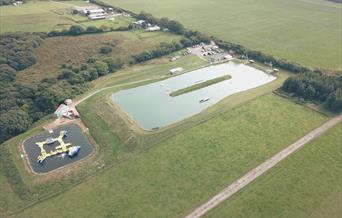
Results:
<point x="152" y="107"/>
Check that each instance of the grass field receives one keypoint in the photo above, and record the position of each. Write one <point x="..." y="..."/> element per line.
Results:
<point x="307" y="184"/>
<point x="176" y="175"/>
<point x="76" y="50"/>
<point x="45" y="16"/>
<point x="306" y="31"/>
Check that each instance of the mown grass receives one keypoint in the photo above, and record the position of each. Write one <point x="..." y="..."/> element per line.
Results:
<point x="45" y="16"/>
<point x="36" y="16"/>
<point x="307" y="32"/>
<point x="200" y="85"/>
<point x="174" y="176"/>
<point x="307" y="184"/>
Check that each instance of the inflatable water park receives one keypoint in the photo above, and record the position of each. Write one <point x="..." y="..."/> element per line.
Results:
<point x="56" y="148"/>
<point x="63" y="148"/>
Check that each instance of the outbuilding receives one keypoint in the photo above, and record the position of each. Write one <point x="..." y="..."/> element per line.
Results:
<point x="176" y="70"/>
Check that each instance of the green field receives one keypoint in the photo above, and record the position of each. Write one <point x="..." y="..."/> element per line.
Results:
<point x="307" y="184"/>
<point x="45" y="16"/>
<point x="177" y="174"/>
<point x="200" y="85"/>
<point x="307" y="31"/>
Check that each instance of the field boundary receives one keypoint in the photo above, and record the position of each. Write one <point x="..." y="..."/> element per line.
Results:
<point x="262" y="168"/>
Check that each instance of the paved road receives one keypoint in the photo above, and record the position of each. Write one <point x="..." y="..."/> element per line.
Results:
<point x="262" y="168"/>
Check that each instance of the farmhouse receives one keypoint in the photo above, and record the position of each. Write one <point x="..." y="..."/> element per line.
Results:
<point x="93" y="12"/>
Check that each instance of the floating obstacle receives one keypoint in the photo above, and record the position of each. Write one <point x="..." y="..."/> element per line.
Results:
<point x="63" y="147"/>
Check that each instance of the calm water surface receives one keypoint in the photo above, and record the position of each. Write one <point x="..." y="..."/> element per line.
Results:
<point x="151" y="106"/>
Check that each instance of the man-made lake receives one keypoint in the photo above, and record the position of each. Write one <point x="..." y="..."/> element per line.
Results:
<point x="152" y="107"/>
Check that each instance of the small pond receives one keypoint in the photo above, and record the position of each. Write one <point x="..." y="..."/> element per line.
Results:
<point x="152" y="107"/>
<point x="75" y="137"/>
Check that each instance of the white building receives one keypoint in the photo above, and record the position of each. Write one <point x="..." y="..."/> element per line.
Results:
<point x="96" y="16"/>
<point x="153" y="28"/>
<point x="139" y="22"/>
<point x="176" y="70"/>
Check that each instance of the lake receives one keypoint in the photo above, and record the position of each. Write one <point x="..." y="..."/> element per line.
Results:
<point x="152" y="107"/>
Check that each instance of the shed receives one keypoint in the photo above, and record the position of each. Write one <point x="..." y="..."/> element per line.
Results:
<point x="153" y="28"/>
<point x="176" y="70"/>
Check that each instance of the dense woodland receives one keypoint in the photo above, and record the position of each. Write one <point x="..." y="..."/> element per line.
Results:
<point x="316" y="86"/>
<point x="22" y="104"/>
<point x="6" y="2"/>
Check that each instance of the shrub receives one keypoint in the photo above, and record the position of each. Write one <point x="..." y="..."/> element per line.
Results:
<point x="106" y="50"/>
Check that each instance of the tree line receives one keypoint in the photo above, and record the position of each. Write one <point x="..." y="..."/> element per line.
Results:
<point x="6" y="2"/>
<point x="317" y="86"/>
<point x="76" y="30"/>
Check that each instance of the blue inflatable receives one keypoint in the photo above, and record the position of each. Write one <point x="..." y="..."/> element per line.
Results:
<point x="73" y="151"/>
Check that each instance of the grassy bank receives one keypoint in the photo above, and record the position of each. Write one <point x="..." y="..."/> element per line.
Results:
<point x="179" y="173"/>
<point x="307" y="184"/>
<point x="286" y="29"/>
<point x="200" y="85"/>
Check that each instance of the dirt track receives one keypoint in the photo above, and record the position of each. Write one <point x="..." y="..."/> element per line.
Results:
<point x="262" y="168"/>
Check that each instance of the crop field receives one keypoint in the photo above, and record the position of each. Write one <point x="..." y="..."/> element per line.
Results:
<point x="307" y="32"/>
<point x="45" y="16"/>
<point x="177" y="174"/>
<point x="307" y="184"/>
<point x="76" y="50"/>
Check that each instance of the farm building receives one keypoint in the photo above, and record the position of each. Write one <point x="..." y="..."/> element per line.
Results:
<point x="66" y="111"/>
<point x="17" y="3"/>
<point x="153" y="28"/>
<point x="96" y="16"/>
<point x="93" y="12"/>
<point x="83" y="10"/>
<point x="139" y="22"/>
<point x="227" y="57"/>
<point x="176" y="70"/>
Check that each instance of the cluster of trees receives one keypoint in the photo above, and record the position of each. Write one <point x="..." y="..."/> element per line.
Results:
<point x="164" y="49"/>
<point x="76" y="30"/>
<point x="173" y="26"/>
<point x="17" y="49"/>
<point x="317" y="86"/>
<point x="7" y="2"/>
<point x="23" y="104"/>
<point x="88" y="71"/>
<point x="106" y="49"/>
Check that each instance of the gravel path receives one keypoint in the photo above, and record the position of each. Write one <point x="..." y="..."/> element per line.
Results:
<point x="261" y="169"/>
